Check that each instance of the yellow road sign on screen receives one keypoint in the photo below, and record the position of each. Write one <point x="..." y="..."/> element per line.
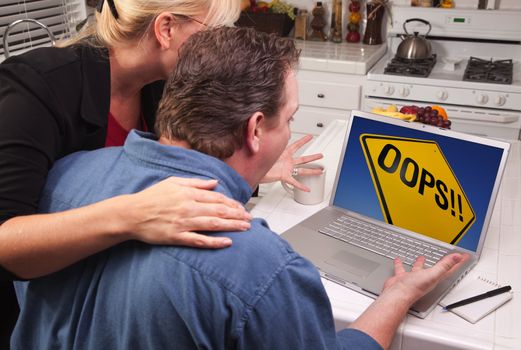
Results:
<point x="416" y="187"/>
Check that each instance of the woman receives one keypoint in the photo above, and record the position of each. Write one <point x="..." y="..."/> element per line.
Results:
<point x="86" y="95"/>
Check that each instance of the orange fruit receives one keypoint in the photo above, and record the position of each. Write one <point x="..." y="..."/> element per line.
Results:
<point x="355" y="17"/>
<point x="441" y="112"/>
<point x="245" y="4"/>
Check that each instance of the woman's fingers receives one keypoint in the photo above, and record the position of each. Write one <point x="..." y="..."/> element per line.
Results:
<point x="170" y="211"/>
<point x="199" y="191"/>
<point x="212" y="223"/>
<point x="197" y="240"/>
<point x="218" y="217"/>
<point x="196" y="183"/>
<point x="209" y="197"/>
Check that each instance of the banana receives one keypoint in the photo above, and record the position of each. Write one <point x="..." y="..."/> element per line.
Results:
<point x="378" y="110"/>
<point x="392" y="112"/>
<point x="392" y="108"/>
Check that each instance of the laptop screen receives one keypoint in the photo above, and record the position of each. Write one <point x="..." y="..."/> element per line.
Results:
<point x="420" y="178"/>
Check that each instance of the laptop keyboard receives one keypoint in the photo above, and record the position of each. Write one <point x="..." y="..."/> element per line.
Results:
<point x="381" y="241"/>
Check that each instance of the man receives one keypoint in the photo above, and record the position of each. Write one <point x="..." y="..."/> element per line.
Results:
<point x="225" y="114"/>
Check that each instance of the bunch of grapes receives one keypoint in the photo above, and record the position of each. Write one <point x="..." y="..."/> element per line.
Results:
<point x="278" y="6"/>
<point x="427" y="115"/>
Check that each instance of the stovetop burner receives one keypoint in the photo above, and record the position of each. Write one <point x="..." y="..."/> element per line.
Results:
<point x="407" y="67"/>
<point x="489" y="71"/>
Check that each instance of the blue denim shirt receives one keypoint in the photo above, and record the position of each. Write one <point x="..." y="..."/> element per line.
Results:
<point x="257" y="294"/>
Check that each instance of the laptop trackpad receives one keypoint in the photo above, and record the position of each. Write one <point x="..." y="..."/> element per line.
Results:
<point x="352" y="263"/>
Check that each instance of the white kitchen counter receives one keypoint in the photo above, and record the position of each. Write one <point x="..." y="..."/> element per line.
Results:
<point x="500" y="260"/>
<point x="347" y="58"/>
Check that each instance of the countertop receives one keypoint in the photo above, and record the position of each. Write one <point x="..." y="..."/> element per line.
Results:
<point x="500" y="261"/>
<point x="347" y="58"/>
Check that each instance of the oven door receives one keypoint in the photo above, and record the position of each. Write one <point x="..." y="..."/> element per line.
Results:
<point x="478" y="121"/>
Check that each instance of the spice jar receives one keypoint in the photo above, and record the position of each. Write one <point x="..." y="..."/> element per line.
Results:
<point x="318" y="23"/>
<point x="336" y="22"/>
<point x="301" y="25"/>
<point x="353" y="25"/>
<point x="373" y="31"/>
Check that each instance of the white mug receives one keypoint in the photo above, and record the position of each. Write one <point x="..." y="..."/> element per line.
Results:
<point x="315" y="183"/>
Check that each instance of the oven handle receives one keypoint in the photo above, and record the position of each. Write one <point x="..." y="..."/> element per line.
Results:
<point x="503" y="119"/>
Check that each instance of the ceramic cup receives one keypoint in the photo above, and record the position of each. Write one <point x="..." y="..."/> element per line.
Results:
<point x="315" y="183"/>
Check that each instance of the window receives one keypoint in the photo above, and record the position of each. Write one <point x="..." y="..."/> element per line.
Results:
<point x="60" y="16"/>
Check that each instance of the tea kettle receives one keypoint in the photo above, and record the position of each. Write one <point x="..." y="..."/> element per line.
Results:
<point x="414" y="47"/>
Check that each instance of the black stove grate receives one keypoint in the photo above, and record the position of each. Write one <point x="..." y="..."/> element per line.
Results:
<point x="489" y="71"/>
<point x="408" y="67"/>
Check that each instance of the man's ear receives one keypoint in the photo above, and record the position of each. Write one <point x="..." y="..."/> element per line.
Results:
<point x="164" y="29"/>
<point x="254" y="132"/>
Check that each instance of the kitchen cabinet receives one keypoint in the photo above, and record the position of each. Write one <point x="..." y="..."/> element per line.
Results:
<point x="325" y="97"/>
<point x="330" y="80"/>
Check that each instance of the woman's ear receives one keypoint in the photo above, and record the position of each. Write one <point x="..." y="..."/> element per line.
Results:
<point x="254" y="132"/>
<point x="164" y="29"/>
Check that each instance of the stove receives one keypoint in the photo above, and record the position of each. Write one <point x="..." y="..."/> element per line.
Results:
<point x="489" y="71"/>
<point x="475" y="73"/>
<point x="408" y="67"/>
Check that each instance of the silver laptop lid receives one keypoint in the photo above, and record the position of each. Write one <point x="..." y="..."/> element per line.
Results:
<point x="432" y="181"/>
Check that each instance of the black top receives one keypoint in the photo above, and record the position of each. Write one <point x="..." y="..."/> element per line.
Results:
<point x="53" y="101"/>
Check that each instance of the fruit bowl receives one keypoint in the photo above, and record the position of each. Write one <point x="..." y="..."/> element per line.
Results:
<point x="432" y="115"/>
<point x="278" y="23"/>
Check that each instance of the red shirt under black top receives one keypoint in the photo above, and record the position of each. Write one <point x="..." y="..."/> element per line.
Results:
<point x="116" y="134"/>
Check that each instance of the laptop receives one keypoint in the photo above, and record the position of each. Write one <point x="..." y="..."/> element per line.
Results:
<point x="402" y="189"/>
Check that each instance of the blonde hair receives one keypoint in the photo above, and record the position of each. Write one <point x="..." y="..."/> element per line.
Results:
<point x="136" y="16"/>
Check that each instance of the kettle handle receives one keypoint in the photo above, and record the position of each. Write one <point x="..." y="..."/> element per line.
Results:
<point x="417" y="20"/>
<point x="12" y="24"/>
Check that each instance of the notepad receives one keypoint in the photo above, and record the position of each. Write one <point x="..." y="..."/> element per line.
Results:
<point x="470" y="287"/>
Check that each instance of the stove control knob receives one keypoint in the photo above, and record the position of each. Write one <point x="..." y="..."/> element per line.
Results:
<point x="388" y="90"/>
<point x="500" y="100"/>
<point x="482" y="99"/>
<point x="442" y="95"/>
<point x="404" y="92"/>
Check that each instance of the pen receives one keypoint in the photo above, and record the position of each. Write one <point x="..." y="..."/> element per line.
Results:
<point x="478" y="297"/>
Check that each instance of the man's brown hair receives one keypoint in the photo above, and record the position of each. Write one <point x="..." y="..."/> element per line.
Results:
<point x="222" y="77"/>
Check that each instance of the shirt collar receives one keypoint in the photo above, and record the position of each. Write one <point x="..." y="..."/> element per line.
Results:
<point x="145" y="148"/>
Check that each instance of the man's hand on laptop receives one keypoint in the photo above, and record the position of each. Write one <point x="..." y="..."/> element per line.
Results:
<point x="382" y="318"/>
<point x="409" y="286"/>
